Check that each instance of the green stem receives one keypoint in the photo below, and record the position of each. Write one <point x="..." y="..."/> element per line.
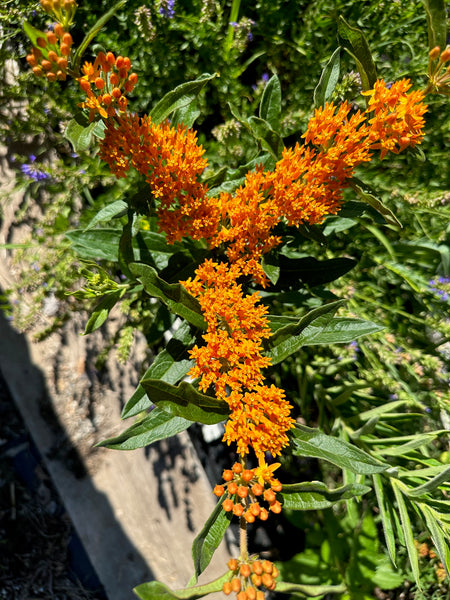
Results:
<point x="233" y="19"/>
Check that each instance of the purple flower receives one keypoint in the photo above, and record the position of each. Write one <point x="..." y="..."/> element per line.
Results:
<point x="167" y="8"/>
<point x="32" y="172"/>
<point x="265" y="77"/>
<point x="440" y="287"/>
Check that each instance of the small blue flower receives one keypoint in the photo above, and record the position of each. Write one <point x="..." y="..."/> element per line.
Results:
<point x="32" y="172"/>
<point x="167" y="8"/>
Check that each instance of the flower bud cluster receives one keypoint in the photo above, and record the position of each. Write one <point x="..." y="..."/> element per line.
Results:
<point x="439" y="76"/>
<point x="106" y="82"/>
<point x="49" y="58"/>
<point x="248" y="576"/>
<point x="62" y="10"/>
<point x="244" y="492"/>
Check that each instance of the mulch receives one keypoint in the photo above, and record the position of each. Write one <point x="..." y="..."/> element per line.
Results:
<point x="41" y="556"/>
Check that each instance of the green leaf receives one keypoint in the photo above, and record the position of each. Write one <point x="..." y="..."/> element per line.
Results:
<point x="315" y="495"/>
<point x="186" y="115"/>
<point x="185" y="401"/>
<point x="385" y="509"/>
<point x="407" y="531"/>
<point x="158" y="425"/>
<point x="209" y="538"/>
<point x="368" y="195"/>
<point x="314" y="443"/>
<point x="432" y="519"/>
<point x="437" y="23"/>
<point x="80" y="135"/>
<point x="416" y="441"/>
<point x="179" y="97"/>
<point x="108" y="212"/>
<point x="174" y="295"/>
<point x="328" y="79"/>
<point x="93" y="32"/>
<point x="353" y="40"/>
<point x="288" y="338"/>
<point x="269" y="139"/>
<point x="386" y="578"/>
<point x="102" y="310"/>
<point x="312" y="591"/>
<point x="33" y="34"/>
<point x="342" y="330"/>
<point x="311" y="271"/>
<point x="270" y="106"/>
<point x="431" y="485"/>
<point x="154" y="590"/>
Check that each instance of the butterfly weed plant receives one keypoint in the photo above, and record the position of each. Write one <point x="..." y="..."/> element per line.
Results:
<point x="221" y="251"/>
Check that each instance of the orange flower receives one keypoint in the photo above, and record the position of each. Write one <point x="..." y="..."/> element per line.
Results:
<point x="398" y="116"/>
<point x="103" y="82"/>
<point x="171" y="161"/>
<point x="232" y="360"/>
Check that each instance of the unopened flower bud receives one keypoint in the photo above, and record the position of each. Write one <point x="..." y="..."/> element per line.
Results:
<point x="445" y="56"/>
<point x="226" y="588"/>
<point x="227" y="475"/>
<point x="242" y="491"/>
<point x="237" y="468"/>
<point x="238" y="509"/>
<point x="232" y="564"/>
<point x="256" y="579"/>
<point x="245" y="570"/>
<point x="434" y="53"/>
<point x="227" y="505"/>
<point x="236" y="585"/>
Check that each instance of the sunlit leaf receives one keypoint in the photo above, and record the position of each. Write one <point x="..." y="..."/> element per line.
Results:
<point x="154" y="590"/>
<point x="316" y="495"/>
<point x="328" y="79"/>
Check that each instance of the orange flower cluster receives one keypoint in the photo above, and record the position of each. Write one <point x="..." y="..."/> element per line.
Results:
<point x="62" y="10"/>
<point x="244" y="487"/>
<point x="246" y="576"/>
<point x="232" y="360"/>
<point x="171" y="161"/>
<point x="398" y="117"/>
<point x="49" y="59"/>
<point x="106" y="82"/>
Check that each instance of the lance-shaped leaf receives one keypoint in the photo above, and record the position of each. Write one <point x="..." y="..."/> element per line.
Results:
<point x="157" y="425"/>
<point x="102" y="310"/>
<point x="181" y="96"/>
<point x="93" y="32"/>
<point x="328" y="79"/>
<point x="80" y="134"/>
<point x="315" y="495"/>
<point x="387" y="520"/>
<point x="174" y="295"/>
<point x="269" y="139"/>
<point x="437" y="23"/>
<point x="185" y="401"/>
<point x="312" y="591"/>
<point x="270" y="106"/>
<point x="209" y="538"/>
<point x="107" y="213"/>
<point x="311" y="271"/>
<point x="186" y="115"/>
<point x="434" y="522"/>
<point x="289" y="338"/>
<point x="154" y="590"/>
<point x="368" y="195"/>
<point x="407" y="529"/>
<point x="314" y="443"/>
<point x="353" y="40"/>
<point x="432" y="484"/>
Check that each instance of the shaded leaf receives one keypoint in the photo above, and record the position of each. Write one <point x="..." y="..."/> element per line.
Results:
<point x="407" y="531"/>
<point x="174" y="295"/>
<point x="179" y="97"/>
<point x="185" y="401"/>
<point x="385" y="509"/>
<point x="328" y="79"/>
<point x="432" y="484"/>
<point x="432" y="519"/>
<point x="269" y="139"/>
<point x="102" y="310"/>
<point x="353" y="40"/>
<point x="209" y="538"/>
<point x="93" y="32"/>
<point x="80" y="136"/>
<point x="311" y="271"/>
<point x="108" y="212"/>
<point x="154" y="590"/>
<point x="368" y="195"/>
<point x="270" y="106"/>
<point x="157" y="425"/>
<point x="311" y="591"/>
<point x="186" y="115"/>
<point x="314" y="443"/>
<point x="166" y="366"/>
<point x="316" y="495"/>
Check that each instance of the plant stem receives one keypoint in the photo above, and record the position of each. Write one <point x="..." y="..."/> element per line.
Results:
<point x="243" y="548"/>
